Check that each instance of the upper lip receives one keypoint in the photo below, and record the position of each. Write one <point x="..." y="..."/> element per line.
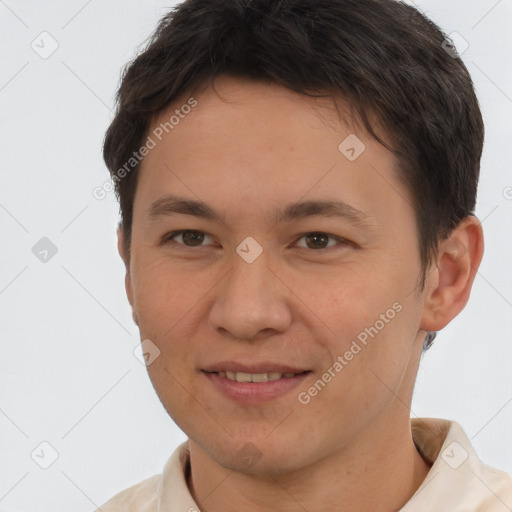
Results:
<point x="232" y="366"/>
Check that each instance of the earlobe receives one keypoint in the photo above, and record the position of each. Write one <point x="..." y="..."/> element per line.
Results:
<point x="449" y="283"/>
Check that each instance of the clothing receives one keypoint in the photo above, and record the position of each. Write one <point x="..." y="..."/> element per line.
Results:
<point x="457" y="481"/>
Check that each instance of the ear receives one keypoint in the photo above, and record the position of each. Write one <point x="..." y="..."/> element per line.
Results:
<point x="450" y="279"/>
<point x="127" y="277"/>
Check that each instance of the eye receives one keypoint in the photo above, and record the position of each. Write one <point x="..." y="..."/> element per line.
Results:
<point x="318" y="241"/>
<point x="190" y="238"/>
<point x="315" y="240"/>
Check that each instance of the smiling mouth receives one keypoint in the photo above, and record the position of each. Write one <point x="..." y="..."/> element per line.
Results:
<point x="256" y="377"/>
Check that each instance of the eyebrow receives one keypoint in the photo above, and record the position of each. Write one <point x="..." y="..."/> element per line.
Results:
<point x="171" y="204"/>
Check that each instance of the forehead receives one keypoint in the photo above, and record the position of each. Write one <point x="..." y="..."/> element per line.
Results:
<point x="234" y="98"/>
<point x="244" y="144"/>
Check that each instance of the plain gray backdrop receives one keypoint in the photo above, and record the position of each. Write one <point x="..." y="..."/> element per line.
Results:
<point x="68" y="376"/>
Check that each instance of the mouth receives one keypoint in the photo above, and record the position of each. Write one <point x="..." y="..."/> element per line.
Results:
<point x="254" y="384"/>
<point x="257" y="377"/>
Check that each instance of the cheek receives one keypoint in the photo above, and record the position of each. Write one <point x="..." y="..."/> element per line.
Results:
<point x="163" y="292"/>
<point x="165" y="301"/>
<point x="353" y="302"/>
<point x="375" y="324"/>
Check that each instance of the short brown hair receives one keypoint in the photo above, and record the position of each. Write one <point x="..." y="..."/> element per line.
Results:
<point x="385" y="58"/>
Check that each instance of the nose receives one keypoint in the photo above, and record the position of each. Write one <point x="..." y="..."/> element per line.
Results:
<point x="251" y="302"/>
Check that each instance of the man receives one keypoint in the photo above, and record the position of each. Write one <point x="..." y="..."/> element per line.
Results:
<point x="297" y="183"/>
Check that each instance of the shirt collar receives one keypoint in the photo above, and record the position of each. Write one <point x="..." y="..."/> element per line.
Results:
<point x="457" y="481"/>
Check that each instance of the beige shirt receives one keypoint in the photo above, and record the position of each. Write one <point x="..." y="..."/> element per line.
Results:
<point x="457" y="481"/>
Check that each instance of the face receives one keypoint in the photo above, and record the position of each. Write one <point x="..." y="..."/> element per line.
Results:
<point x="302" y="260"/>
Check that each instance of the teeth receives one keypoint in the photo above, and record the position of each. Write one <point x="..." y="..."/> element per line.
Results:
<point x="254" y="377"/>
<point x="243" y="377"/>
<point x="259" y="377"/>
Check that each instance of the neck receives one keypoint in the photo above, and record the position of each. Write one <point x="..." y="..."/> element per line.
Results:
<point x="380" y="471"/>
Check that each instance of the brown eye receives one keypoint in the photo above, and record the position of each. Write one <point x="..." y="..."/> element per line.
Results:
<point x="317" y="240"/>
<point x="190" y="238"/>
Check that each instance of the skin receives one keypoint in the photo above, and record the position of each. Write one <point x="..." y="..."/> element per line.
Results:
<point x="247" y="149"/>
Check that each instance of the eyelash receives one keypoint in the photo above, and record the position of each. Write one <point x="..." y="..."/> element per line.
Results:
<point x="342" y="242"/>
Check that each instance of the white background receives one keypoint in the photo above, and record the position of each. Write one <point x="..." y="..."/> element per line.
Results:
<point x="67" y="372"/>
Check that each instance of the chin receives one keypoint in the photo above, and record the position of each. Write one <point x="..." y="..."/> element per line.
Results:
<point x="259" y="456"/>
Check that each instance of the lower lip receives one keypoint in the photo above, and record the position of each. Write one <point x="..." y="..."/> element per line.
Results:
<point x="255" y="392"/>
